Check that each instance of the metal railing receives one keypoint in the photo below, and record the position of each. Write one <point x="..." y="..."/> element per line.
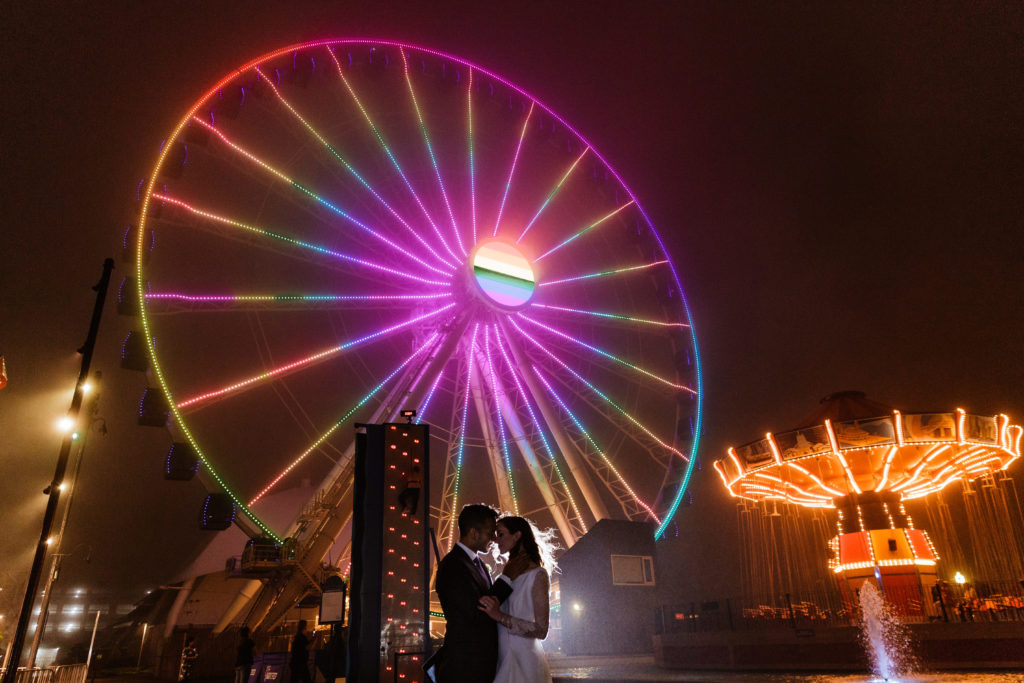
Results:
<point x="1004" y="602"/>
<point x="67" y="673"/>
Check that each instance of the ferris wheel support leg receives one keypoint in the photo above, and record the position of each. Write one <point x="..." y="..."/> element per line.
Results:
<point x="554" y="425"/>
<point x="518" y="435"/>
<point x="492" y="441"/>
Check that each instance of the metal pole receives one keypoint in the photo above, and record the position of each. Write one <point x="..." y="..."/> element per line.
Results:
<point x="92" y="641"/>
<point x="142" y="644"/>
<point x="62" y="461"/>
<point x="44" y="608"/>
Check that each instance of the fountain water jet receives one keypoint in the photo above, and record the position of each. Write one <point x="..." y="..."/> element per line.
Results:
<point x="885" y="639"/>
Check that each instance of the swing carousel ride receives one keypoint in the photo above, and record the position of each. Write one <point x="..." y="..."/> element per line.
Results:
<point x="867" y="461"/>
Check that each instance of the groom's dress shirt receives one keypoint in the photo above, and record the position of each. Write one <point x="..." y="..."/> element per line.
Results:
<point x="474" y="557"/>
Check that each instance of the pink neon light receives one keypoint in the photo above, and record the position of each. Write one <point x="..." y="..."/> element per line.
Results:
<point x="323" y="437"/>
<point x="430" y="150"/>
<point x="637" y="368"/>
<point x="600" y="452"/>
<point x="390" y="155"/>
<point x="318" y="198"/>
<point x="512" y="170"/>
<point x="356" y="175"/>
<point x="327" y="43"/>
<point x="323" y="250"/>
<point x="594" y="389"/>
<point x="529" y="407"/>
<point x="303" y="362"/>
<point x="472" y="170"/>
<point x="273" y="298"/>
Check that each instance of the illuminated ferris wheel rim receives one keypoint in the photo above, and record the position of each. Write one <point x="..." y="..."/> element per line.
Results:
<point x="491" y="289"/>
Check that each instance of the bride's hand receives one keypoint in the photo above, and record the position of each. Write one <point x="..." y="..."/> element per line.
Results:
<point x="489" y="606"/>
<point x="516" y="565"/>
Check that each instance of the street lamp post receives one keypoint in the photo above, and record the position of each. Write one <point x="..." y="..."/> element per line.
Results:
<point x="58" y="556"/>
<point x="62" y="461"/>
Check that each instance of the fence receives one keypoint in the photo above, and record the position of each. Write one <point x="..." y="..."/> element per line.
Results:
<point x="737" y="613"/>
<point x="68" y="673"/>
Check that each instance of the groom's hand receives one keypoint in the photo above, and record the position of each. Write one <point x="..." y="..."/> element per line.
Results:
<point x="516" y="565"/>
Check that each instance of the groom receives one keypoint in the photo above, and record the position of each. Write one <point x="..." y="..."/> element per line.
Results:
<point x="470" y="651"/>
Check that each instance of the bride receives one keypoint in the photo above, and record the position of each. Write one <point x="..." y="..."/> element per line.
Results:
<point x="524" y="623"/>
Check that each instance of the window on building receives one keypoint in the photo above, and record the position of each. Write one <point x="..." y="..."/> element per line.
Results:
<point x="632" y="570"/>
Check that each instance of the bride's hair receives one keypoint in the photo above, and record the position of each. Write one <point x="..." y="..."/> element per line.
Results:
<point x="538" y="545"/>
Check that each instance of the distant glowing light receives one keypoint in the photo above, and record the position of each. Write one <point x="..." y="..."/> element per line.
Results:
<point x="65" y="424"/>
<point x="503" y="274"/>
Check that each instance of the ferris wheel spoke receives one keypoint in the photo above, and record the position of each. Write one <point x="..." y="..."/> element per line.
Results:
<point x="292" y="241"/>
<point x="456" y="474"/>
<point x="425" y="406"/>
<point x="344" y="419"/>
<point x="605" y="354"/>
<point x="605" y="398"/>
<point x="511" y="367"/>
<point x="178" y="302"/>
<point x="305" y="362"/>
<point x="472" y="169"/>
<point x="613" y="272"/>
<point x="617" y="318"/>
<point x="430" y="151"/>
<point x="502" y="434"/>
<point x="387" y="151"/>
<point x="601" y="454"/>
<point x="315" y="197"/>
<point x="584" y="230"/>
<point x="551" y="195"/>
<point x="355" y="174"/>
<point x="512" y="170"/>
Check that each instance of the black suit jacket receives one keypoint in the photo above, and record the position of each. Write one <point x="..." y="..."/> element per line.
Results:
<point x="470" y="652"/>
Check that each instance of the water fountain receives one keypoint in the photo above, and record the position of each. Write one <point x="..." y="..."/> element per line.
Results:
<point x="885" y="639"/>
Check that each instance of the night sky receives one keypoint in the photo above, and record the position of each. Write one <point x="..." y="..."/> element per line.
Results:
<point x="839" y="187"/>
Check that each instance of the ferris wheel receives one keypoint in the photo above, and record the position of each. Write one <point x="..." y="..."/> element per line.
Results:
<point x="341" y="230"/>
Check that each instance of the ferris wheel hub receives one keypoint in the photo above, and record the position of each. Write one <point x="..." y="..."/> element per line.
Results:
<point x="503" y="275"/>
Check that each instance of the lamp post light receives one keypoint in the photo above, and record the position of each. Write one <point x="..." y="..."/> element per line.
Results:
<point x="89" y="387"/>
<point x="18" y="641"/>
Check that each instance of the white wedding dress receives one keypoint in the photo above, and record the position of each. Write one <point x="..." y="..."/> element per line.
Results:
<point x="522" y="627"/>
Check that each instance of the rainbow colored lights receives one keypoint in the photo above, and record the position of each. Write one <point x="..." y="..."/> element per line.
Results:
<point x="362" y="232"/>
<point x="503" y="274"/>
